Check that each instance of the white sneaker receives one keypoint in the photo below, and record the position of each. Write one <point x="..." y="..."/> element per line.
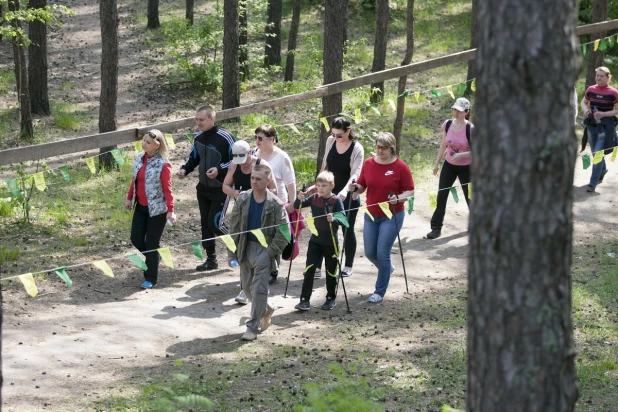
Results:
<point x="318" y="274"/>
<point x="375" y="298"/>
<point x="249" y="335"/>
<point x="346" y="272"/>
<point x="242" y="298"/>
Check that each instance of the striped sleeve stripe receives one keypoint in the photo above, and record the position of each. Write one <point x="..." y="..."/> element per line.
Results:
<point x="230" y="139"/>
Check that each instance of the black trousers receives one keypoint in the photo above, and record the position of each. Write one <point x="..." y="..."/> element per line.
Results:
<point x="146" y="234"/>
<point x="448" y="175"/>
<point x="315" y="252"/>
<point x="349" y="242"/>
<point x="210" y="202"/>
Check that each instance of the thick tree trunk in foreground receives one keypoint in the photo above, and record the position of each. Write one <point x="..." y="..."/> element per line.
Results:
<point x="520" y="337"/>
<point x="21" y="79"/>
<point x="289" y="62"/>
<point x="379" y="47"/>
<point x="595" y="59"/>
<point x="108" y="10"/>
<point x="189" y="7"/>
<point x="473" y="44"/>
<point x="401" y="86"/>
<point x="37" y="63"/>
<point x="243" y="51"/>
<point x="272" y="48"/>
<point x="231" y="88"/>
<point x="153" y="14"/>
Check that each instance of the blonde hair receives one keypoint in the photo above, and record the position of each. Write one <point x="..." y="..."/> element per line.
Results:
<point x="387" y="139"/>
<point x="325" y="177"/>
<point x="157" y="136"/>
<point x="209" y="110"/>
<point x="606" y="71"/>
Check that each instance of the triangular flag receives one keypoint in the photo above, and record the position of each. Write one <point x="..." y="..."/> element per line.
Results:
<point x="454" y="193"/>
<point x="586" y="161"/>
<point x="197" y="250"/>
<point x="598" y="157"/>
<point x="169" y="139"/>
<point x="325" y="123"/>
<point x="473" y="85"/>
<point x="603" y="45"/>
<point x="13" y="187"/>
<point x="406" y="93"/>
<point x="139" y="262"/>
<point x="417" y="96"/>
<point x="610" y="41"/>
<point x="189" y="137"/>
<point x="584" y="50"/>
<point x="138" y="146"/>
<point x="392" y="104"/>
<point x="410" y="205"/>
<point x="449" y="89"/>
<point x="433" y="201"/>
<point x="373" y="107"/>
<point x="461" y="88"/>
<point x="29" y="284"/>
<point x="117" y="155"/>
<point x="229" y="242"/>
<point x="64" y="171"/>
<point x="470" y="190"/>
<point x="340" y="216"/>
<point x="386" y="209"/>
<point x="166" y="257"/>
<point x="311" y="225"/>
<point x="308" y="124"/>
<point x="364" y="209"/>
<point x="260" y="237"/>
<point x="62" y="274"/>
<point x="107" y="271"/>
<point x="596" y="44"/>
<point x="39" y="181"/>
<point x="614" y="153"/>
<point x="294" y="128"/>
<point x="90" y="163"/>
<point x="436" y="93"/>
<point x="28" y="182"/>
<point x="358" y="118"/>
<point x="284" y="228"/>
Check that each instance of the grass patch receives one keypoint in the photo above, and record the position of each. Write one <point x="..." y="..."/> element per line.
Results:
<point x="7" y="81"/>
<point x="67" y="117"/>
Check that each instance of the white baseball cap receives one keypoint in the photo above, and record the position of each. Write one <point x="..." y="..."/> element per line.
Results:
<point x="240" y="151"/>
<point x="462" y="104"/>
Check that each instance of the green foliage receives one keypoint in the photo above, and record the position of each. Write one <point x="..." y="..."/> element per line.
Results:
<point x="7" y="81"/>
<point x="304" y="169"/>
<point x="7" y="254"/>
<point x="48" y="15"/>
<point x="67" y="117"/>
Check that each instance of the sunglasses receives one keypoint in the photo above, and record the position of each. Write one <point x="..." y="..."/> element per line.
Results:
<point x="337" y="136"/>
<point x="152" y="135"/>
<point x="382" y="147"/>
<point x="260" y="138"/>
<point x="238" y="155"/>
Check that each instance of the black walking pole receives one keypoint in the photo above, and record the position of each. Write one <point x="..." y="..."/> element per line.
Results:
<point x="345" y="236"/>
<point x="403" y="263"/>
<point x="285" y="295"/>
<point x="332" y="235"/>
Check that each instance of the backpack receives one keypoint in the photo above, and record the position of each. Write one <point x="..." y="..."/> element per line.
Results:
<point x="468" y="127"/>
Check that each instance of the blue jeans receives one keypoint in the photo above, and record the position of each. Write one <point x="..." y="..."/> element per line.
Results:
<point x="596" y="145"/>
<point x="379" y="237"/>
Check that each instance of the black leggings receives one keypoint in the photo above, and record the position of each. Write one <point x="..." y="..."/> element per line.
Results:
<point x="315" y="252"/>
<point x="447" y="177"/>
<point x="146" y="233"/>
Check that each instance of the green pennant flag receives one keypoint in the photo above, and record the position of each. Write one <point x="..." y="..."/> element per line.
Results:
<point x="454" y="193"/>
<point x="308" y="124"/>
<point x="138" y="261"/>
<point x="13" y="187"/>
<point x="117" y="155"/>
<point x="436" y="93"/>
<point x="406" y="93"/>
<point x="197" y="250"/>
<point x="610" y="41"/>
<point x="584" y="51"/>
<point x="284" y="228"/>
<point x="62" y="274"/>
<point x="586" y="161"/>
<point x="340" y="216"/>
<point x="410" y="205"/>
<point x="374" y="107"/>
<point x="603" y="45"/>
<point x="189" y="137"/>
<point x="461" y="88"/>
<point x="64" y="171"/>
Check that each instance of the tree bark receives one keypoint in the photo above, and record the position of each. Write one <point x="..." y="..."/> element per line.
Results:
<point x="379" y="48"/>
<point x="473" y="43"/>
<point x="272" y="48"/>
<point x="243" y="52"/>
<point x="21" y="79"/>
<point x="401" y="85"/>
<point x="37" y="63"/>
<point x="189" y="11"/>
<point x="289" y="62"/>
<point x="599" y="13"/>
<point x="520" y="338"/>
<point x="153" y="14"/>
<point x="231" y="88"/>
<point x="108" y="10"/>
<point x="334" y="38"/>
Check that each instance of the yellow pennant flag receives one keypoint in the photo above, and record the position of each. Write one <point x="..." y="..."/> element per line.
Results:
<point x="294" y="128"/>
<point x="614" y="153"/>
<point x="90" y="163"/>
<point x="469" y="190"/>
<point x="29" y="284"/>
<point x="138" y="146"/>
<point x="417" y="95"/>
<point x="364" y="209"/>
<point x="473" y="85"/>
<point x="433" y="201"/>
<point x="311" y="225"/>
<point x="325" y="123"/>
<point x="449" y="89"/>
<point x="166" y="257"/>
<point x="229" y="242"/>
<point x="598" y="157"/>
<point x="392" y="103"/>
<point x="386" y="209"/>
<point x="358" y="118"/>
<point x="260" y="237"/>
<point x="101" y="264"/>
<point x="596" y="44"/>
<point x="39" y="181"/>
<point x="169" y="138"/>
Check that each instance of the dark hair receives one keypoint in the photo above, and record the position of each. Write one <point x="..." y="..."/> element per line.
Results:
<point x="343" y="124"/>
<point x="468" y="114"/>
<point x="268" y="130"/>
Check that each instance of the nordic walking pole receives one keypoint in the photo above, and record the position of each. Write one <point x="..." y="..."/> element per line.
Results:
<point x="403" y="263"/>
<point x="332" y="236"/>
<point x="285" y="295"/>
<point x="345" y="236"/>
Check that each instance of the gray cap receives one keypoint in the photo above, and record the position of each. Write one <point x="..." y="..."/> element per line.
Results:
<point x="462" y="104"/>
<point x="239" y="152"/>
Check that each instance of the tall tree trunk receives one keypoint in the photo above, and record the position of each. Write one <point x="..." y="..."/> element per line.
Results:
<point x="599" y="13"/>
<point x="401" y="85"/>
<point x="379" y="48"/>
<point x="334" y="34"/>
<point x="189" y="11"/>
<point x="231" y="89"/>
<point x="520" y="337"/>
<point x="37" y="63"/>
<point x="243" y="52"/>
<point x="289" y="61"/>
<point x="473" y="44"/>
<point x="153" y="14"/>
<point x="108" y="10"/>
<point x="21" y="79"/>
<point x="272" y="48"/>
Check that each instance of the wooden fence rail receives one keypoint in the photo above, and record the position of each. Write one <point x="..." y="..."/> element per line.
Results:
<point x="80" y="144"/>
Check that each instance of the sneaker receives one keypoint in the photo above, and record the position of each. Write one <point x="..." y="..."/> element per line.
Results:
<point x="148" y="285"/>
<point x="209" y="264"/>
<point x="329" y="304"/>
<point x="303" y="305"/>
<point x="434" y="234"/>
<point x="602" y="176"/>
<point x="249" y="335"/>
<point x="273" y="278"/>
<point x="265" y="321"/>
<point x="590" y="189"/>
<point x="242" y="298"/>
<point x="318" y="273"/>
<point x="375" y="298"/>
<point x="346" y="272"/>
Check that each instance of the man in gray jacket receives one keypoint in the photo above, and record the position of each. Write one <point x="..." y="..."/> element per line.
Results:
<point x="257" y="208"/>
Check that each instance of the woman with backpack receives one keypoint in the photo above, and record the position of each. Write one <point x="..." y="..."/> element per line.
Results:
<point x="455" y="150"/>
